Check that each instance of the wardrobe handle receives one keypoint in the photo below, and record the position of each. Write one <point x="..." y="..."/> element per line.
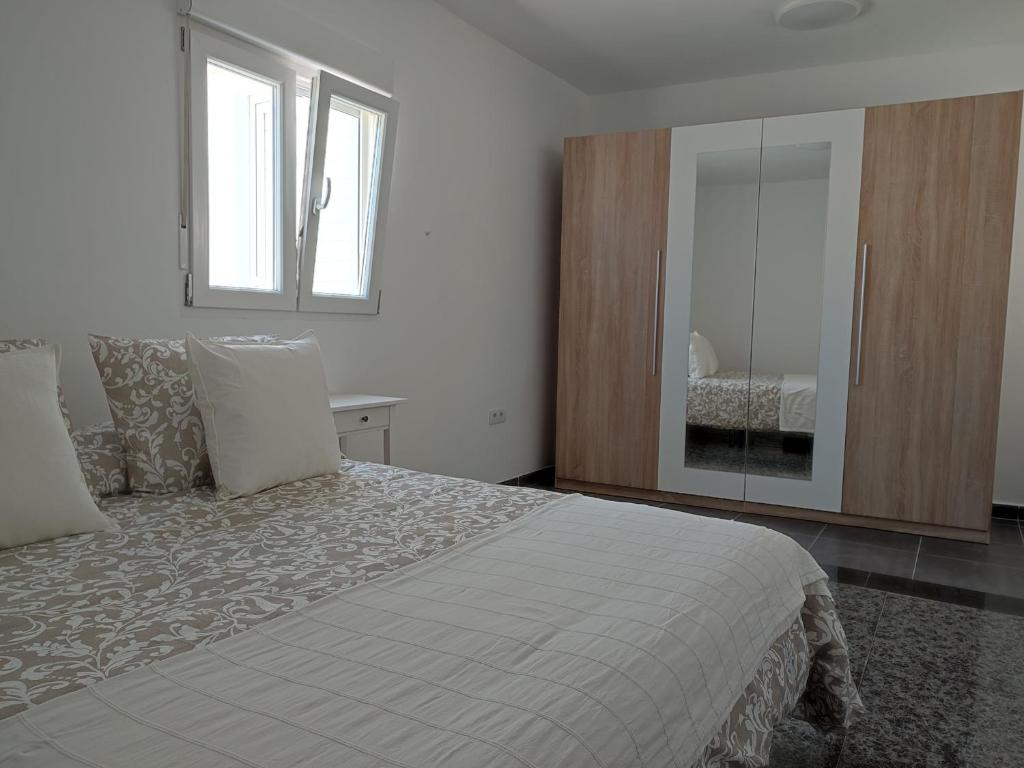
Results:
<point x="657" y="315"/>
<point x="860" y="314"/>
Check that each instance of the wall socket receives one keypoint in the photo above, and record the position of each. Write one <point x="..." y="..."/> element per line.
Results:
<point x="497" y="416"/>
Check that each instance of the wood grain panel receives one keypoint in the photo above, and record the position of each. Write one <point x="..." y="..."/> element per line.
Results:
<point x="936" y="207"/>
<point x="982" y="321"/>
<point x="615" y="214"/>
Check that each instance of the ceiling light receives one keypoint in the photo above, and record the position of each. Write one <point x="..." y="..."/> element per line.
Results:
<point x="817" y="14"/>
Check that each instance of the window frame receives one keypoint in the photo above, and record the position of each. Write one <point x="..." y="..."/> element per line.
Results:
<point x="201" y="42"/>
<point x="325" y="87"/>
<point x="206" y="44"/>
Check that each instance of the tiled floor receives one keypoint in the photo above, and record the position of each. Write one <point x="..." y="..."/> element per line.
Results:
<point x="943" y="685"/>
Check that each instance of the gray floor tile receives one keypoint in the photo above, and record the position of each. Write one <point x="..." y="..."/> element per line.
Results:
<point x="845" y="575"/>
<point x="870" y="536"/>
<point x="966" y="574"/>
<point x="1007" y="532"/>
<point x="804" y="541"/>
<point x="783" y="524"/>
<point x="1011" y="555"/>
<point x="701" y="511"/>
<point x="864" y="557"/>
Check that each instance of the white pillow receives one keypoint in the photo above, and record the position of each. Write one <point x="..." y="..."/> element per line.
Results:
<point x="266" y="413"/>
<point x="703" y="360"/>
<point x="43" y="494"/>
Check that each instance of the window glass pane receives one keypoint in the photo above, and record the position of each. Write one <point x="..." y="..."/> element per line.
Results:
<point x="351" y="166"/>
<point x="243" y="138"/>
<point x="718" y="389"/>
<point x="303" y="89"/>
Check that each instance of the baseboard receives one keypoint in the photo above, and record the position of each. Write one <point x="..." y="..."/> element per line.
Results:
<point x="1007" y="512"/>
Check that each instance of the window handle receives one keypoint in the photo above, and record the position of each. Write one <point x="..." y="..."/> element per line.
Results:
<point x="321" y="203"/>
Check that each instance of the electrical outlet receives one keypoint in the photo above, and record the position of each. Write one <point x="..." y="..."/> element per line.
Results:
<point x="497" y="416"/>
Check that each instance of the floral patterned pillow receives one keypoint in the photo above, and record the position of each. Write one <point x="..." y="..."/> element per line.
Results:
<point x="149" y="391"/>
<point x="103" y="460"/>
<point x="17" y="345"/>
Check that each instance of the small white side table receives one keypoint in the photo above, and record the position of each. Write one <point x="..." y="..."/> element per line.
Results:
<point x="355" y="414"/>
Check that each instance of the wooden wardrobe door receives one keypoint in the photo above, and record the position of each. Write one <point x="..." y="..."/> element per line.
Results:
<point x="614" y="224"/>
<point x="937" y="219"/>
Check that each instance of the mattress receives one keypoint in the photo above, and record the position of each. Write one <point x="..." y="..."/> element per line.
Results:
<point x="221" y="633"/>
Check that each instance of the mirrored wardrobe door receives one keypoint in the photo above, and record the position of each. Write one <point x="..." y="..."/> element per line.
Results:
<point x="803" y="301"/>
<point x="709" y="290"/>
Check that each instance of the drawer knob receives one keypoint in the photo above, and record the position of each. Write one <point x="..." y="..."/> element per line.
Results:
<point x="365" y="419"/>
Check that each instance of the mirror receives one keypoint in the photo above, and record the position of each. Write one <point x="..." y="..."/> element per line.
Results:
<point x="791" y="237"/>
<point x="756" y="303"/>
<point x="722" y="293"/>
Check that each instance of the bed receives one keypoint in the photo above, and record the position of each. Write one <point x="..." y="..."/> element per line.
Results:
<point x="381" y="616"/>
<point x="734" y="400"/>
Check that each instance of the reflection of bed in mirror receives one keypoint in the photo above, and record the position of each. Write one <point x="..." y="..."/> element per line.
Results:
<point x="771" y="415"/>
<point x="756" y="297"/>
<point x="760" y="403"/>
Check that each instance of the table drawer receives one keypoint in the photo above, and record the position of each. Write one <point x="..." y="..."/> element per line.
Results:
<point x="364" y="418"/>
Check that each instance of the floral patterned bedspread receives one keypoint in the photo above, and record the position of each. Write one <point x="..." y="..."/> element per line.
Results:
<point x="722" y="400"/>
<point x="187" y="570"/>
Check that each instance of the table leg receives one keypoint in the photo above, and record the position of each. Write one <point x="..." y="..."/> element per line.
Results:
<point x="387" y="445"/>
<point x="343" y="445"/>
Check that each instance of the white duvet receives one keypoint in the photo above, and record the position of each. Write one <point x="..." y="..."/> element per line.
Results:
<point x="591" y="633"/>
<point x="798" y="403"/>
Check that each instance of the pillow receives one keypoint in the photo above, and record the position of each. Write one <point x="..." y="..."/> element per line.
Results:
<point x="149" y="391"/>
<point x="44" y="494"/>
<point x="266" y="412"/>
<point x="15" y="345"/>
<point x="703" y="360"/>
<point x="103" y="461"/>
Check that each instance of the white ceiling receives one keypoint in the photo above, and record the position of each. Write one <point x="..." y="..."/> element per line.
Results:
<point x="614" y="45"/>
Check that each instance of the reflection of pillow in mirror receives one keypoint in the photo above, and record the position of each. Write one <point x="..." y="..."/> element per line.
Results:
<point x="703" y="360"/>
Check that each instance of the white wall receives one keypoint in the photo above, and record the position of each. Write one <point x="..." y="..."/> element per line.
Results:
<point x="88" y="206"/>
<point x="890" y="81"/>
<point x="787" y="302"/>
<point x="790" y="267"/>
<point x="722" y="287"/>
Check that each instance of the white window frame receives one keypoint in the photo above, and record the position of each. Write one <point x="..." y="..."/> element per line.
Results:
<point x="296" y="244"/>
<point x="205" y="45"/>
<point x="325" y="87"/>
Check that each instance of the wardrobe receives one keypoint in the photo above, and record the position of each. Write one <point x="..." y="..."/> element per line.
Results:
<point x="801" y="316"/>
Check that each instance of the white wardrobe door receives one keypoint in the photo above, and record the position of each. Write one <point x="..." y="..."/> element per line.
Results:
<point x="712" y="234"/>
<point x="799" y="151"/>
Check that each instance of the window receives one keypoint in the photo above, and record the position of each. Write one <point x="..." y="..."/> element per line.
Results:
<point x="289" y="172"/>
<point x="346" y="180"/>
